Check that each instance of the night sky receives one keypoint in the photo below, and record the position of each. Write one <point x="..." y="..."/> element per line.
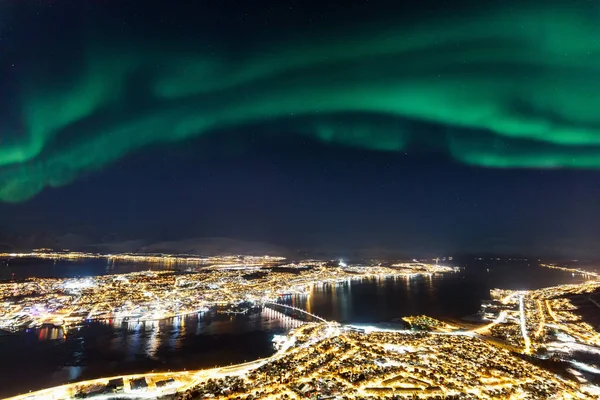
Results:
<point x="417" y="128"/>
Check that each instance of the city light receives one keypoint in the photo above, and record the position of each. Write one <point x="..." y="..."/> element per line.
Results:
<point x="229" y="281"/>
<point x="328" y="361"/>
<point x="428" y="358"/>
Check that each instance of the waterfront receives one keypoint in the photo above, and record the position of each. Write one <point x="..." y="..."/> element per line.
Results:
<point x="22" y="268"/>
<point x="326" y="360"/>
<point x="209" y="339"/>
<point x="45" y="358"/>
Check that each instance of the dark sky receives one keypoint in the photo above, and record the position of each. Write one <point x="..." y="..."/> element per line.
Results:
<point x="421" y="128"/>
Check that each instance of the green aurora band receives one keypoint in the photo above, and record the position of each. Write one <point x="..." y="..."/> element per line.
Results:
<point x="514" y="87"/>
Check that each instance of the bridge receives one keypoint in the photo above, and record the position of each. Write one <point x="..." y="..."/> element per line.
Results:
<point x="297" y="309"/>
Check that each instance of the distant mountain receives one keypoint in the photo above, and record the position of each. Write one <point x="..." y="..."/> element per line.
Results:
<point x="199" y="246"/>
<point x="215" y="246"/>
<point x="28" y="242"/>
<point x="112" y="243"/>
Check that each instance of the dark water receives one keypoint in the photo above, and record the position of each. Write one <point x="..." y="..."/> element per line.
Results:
<point x="43" y="358"/>
<point x="21" y="268"/>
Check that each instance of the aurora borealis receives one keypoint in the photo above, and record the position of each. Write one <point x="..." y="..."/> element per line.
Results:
<point x="505" y="85"/>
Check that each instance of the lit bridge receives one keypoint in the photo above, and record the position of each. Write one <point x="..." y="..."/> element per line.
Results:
<point x="296" y="309"/>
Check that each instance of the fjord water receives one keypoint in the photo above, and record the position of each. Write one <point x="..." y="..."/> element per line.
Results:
<point x="46" y="357"/>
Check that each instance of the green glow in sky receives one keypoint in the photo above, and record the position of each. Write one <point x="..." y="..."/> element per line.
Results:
<point x="515" y="87"/>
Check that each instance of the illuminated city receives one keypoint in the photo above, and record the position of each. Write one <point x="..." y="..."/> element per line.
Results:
<point x="357" y="362"/>
<point x="241" y="282"/>
<point x="283" y="199"/>
<point x="430" y="358"/>
<point x="44" y="253"/>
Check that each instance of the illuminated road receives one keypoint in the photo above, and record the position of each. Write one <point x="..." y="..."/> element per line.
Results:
<point x="526" y="339"/>
<point x="542" y="323"/>
<point x="67" y="391"/>
<point x="588" y="339"/>
<point x="189" y="379"/>
<point x="183" y="380"/>
<point x="499" y="320"/>
<point x="297" y="309"/>
<point x="550" y="312"/>
<point x="290" y="346"/>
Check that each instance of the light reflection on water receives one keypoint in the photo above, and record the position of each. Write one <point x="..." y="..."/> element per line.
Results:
<point x="452" y="295"/>
<point x="138" y="336"/>
<point x="208" y="339"/>
<point x="112" y="347"/>
<point x="50" y="333"/>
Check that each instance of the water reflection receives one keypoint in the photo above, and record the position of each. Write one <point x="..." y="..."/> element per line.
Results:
<point x="151" y="339"/>
<point x="213" y="338"/>
<point x="371" y="300"/>
<point x="65" y="268"/>
<point x="74" y="372"/>
<point x="50" y="333"/>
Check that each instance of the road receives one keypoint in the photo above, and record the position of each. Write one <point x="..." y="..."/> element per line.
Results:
<point x="184" y="379"/>
<point x="67" y="391"/>
<point x="297" y="309"/>
<point x="526" y="339"/>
